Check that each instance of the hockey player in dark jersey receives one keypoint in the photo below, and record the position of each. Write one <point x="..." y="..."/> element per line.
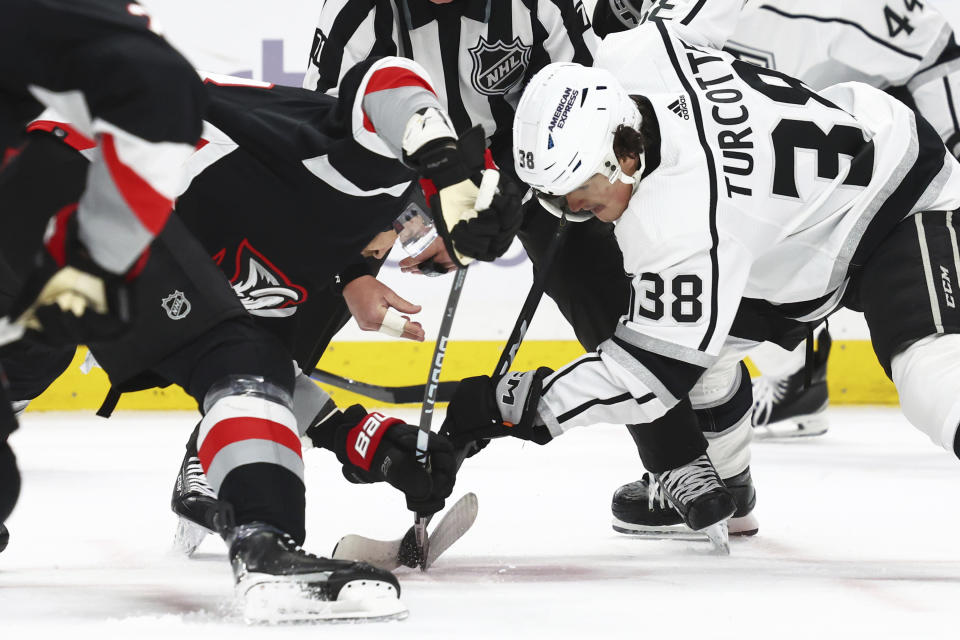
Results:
<point x="140" y="102"/>
<point x="101" y="64"/>
<point x="858" y="224"/>
<point x="305" y="159"/>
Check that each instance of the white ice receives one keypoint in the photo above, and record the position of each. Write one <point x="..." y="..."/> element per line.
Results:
<point x="858" y="538"/>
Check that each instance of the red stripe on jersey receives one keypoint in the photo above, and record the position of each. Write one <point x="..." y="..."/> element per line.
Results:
<point x="394" y="78"/>
<point x="57" y="242"/>
<point x="9" y="155"/>
<point x="240" y="428"/>
<point x="138" y="266"/>
<point x="488" y="162"/>
<point x="429" y="189"/>
<point x="201" y="144"/>
<point x="72" y="138"/>
<point x="151" y="207"/>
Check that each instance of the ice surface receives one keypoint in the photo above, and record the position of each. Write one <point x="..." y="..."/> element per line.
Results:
<point x="858" y="539"/>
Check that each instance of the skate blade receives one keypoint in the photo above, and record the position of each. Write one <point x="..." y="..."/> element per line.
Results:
<point x="719" y="537"/>
<point x="803" y="427"/>
<point x="663" y="532"/>
<point x="273" y="600"/>
<point x="188" y="536"/>
<point x="747" y="525"/>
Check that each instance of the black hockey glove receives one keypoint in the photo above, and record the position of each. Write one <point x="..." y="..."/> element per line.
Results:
<point x="68" y="299"/>
<point x="488" y="236"/>
<point x="374" y="448"/>
<point x="483" y="409"/>
<point x="462" y="186"/>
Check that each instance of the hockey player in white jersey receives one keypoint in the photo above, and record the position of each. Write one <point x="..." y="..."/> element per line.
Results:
<point x="910" y="54"/>
<point x="905" y="48"/>
<point x="731" y="182"/>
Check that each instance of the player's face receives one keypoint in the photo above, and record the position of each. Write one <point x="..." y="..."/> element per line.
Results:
<point x="605" y="200"/>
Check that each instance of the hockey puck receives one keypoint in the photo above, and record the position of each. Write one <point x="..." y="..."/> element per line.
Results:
<point x="4" y="537"/>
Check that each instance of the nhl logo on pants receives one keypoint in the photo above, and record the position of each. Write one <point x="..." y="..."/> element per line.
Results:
<point x="176" y="305"/>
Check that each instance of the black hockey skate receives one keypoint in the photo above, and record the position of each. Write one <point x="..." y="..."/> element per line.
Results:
<point x="277" y="581"/>
<point x="784" y="407"/>
<point x="641" y="508"/>
<point x="702" y="501"/>
<point x="199" y="513"/>
<point x="4" y="537"/>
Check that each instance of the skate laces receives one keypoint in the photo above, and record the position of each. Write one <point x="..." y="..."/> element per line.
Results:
<point x="767" y="391"/>
<point x="691" y="481"/>
<point x="655" y="492"/>
<point x="195" y="480"/>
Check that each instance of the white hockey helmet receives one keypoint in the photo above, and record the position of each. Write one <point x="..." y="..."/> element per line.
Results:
<point x="563" y="131"/>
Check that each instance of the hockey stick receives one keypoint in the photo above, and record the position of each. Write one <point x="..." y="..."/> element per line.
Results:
<point x="531" y="303"/>
<point x="409" y="394"/>
<point x="390" y="554"/>
<point x="524" y="318"/>
<point x="394" y="395"/>
<point x="430" y="400"/>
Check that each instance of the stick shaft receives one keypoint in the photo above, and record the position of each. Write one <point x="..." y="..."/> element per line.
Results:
<point x="430" y="400"/>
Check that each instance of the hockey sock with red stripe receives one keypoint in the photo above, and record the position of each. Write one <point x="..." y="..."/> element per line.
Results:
<point x="249" y="448"/>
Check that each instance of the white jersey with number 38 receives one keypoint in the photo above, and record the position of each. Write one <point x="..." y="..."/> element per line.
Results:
<point x="764" y="189"/>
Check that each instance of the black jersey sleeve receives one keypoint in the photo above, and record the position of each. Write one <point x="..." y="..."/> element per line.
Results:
<point x="99" y="64"/>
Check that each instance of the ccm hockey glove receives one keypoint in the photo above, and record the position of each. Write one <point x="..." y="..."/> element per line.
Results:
<point x="476" y="210"/>
<point x="482" y="408"/>
<point x="68" y="299"/>
<point x="373" y="447"/>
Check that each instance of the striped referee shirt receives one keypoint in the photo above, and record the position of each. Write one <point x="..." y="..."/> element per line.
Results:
<point x="480" y="53"/>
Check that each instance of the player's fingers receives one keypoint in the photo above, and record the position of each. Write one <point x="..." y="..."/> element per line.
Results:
<point x="400" y="304"/>
<point x="408" y="264"/>
<point x="413" y="331"/>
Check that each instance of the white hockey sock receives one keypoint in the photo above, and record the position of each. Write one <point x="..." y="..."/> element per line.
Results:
<point x="729" y="451"/>
<point x="927" y="377"/>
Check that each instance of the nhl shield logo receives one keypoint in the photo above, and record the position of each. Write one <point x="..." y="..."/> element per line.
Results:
<point x="498" y="66"/>
<point x="176" y="305"/>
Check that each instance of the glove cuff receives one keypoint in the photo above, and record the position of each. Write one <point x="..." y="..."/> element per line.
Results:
<point x="427" y="132"/>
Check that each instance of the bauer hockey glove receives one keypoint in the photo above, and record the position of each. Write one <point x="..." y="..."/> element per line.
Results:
<point x="484" y="408"/>
<point x="374" y="448"/>
<point x="462" y="186"/>
<point x="67" y="298"/>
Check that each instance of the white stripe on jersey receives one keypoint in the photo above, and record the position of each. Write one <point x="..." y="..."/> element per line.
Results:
<point x="321" y="167"/>
<point x="928" y="273"/>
